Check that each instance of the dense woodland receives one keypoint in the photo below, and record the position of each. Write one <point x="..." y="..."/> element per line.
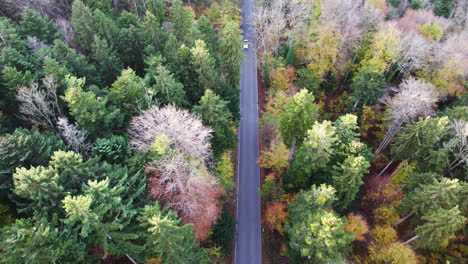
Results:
<point x="364" y="130"/>
<point x="117" y="131"/>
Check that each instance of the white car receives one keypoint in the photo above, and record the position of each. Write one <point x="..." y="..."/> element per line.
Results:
<point x="246" y="44"/>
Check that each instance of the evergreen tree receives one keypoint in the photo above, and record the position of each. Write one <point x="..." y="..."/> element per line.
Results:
<point x="299" y="115"/>
<point x="368" y="87"/>
<point x="109" y="65"/>
<point x="25" y="148"/>
<point x="34" y="25"/>
<point x="167" y="88"/>
<point x="127" y="92"/>
<point x="290" y="57"/>
<point x="157" y="8"/>
<point x="444" y="193"/>
<point x="186" y="74"/>
<point x="90" y="111"/>
<point x="208" y="35"/>
<point x="183" y="19"/>
<point x="75" y="62"/>
<point x="204" y="65"/>
<point x="167" y="238"/>
<point x="153" y="31"/>
<point x="29" y="241"/>
<point x="316" y="235"/>
<point x="231" y="52"/>
<point x="347" y="179"/>
<point x="440" y="226"/>
<point x="216" y="115"/>
<point x="83" y="24"/>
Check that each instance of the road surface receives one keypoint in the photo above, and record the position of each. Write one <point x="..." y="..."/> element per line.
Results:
<point x="248" y="247"/>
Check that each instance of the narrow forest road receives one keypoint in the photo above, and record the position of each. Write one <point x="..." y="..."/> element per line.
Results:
<point x="248" y="247"/>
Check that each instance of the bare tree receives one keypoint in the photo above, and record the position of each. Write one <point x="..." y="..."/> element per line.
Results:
<point x="40" y="106"/>
<point x="415" y="98"/>
<point x="414" y="54"/>
<point x="269" y="24"/>
<point x="187" y="187"/>
<point x="179" y="177"/>
<point x="74" y="137"/>
<point x="184" y="129"/>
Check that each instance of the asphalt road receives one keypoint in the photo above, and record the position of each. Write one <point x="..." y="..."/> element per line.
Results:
<point x="248" y="247"/>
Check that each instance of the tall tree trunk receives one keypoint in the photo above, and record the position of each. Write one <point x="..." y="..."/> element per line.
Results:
<point x="291" y="151"/>
<point x="402" y="219"/>
<point x="386" y="167"/>
<point x="411" y="239"/>
<point x="401" y="165"/>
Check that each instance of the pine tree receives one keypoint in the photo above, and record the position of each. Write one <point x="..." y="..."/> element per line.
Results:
<point x="347" y="178"/>
<point x="444" y="193"/>
<point x="231" y="52"/>
<point x="204" y="66"/>
<point x="153" y="31"/>
<point x="83" y="24"/>
<point x="34" y="25"/>
<point x="127" y="92"/>
<point x="316" y="235"/>
<point x="440" y="226"/>
<point x="299" y="115"/>
<point x="109" y="64"/>
<point x="208" y="35"/>
<point x="183" y="19"/>
<point x="40" y="187"/>
<point x="90" y="111"/>
<point x="216" y="115"/>
<point x="167" y="88"/>
<point x="290" y="56"/>
<point x="167" y="238"/>
<point x="29" y="241"/>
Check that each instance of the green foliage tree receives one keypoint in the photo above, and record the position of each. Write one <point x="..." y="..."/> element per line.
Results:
<point x="109" y="64"/>
<point x="347" y="179"/>
<point x="91" y="111"/>
<point x="186" y="74"/>
<point x="216" y="115"/>
<point x="223" y="231"/>
<point x="299" y="115"/>
<point x="443" y="7"/>
<point x="444" y="193"/>
<point x="157" y="8"/>
<point x="316" y="235"/>
<point x="113" y="150"/>
<point x="290" y="56"/>
<point x="128" y="92"/>
<point x="153" y="31"/>
<point x="332" y="154"/>
<point x="183" y="19"/>
<point x="440" y="226"/>
<point x="83" y="24"/>
<point x="368" y="86"/>
<point x="34" y="25"/>
<point x="168" y="89"/>
<point x="167" y="238"/>
<point x="426" y="141"/>
<point x="25" y="148"/>
<point x="204" y="66"/>
<point x="20" y="243"/>
<point x="225" y="171"/>
<point x="208" y="34"/>
<point x="231" y="52"/>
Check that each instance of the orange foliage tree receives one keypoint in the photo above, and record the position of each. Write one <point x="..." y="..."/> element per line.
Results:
<point x="275" y="216"/>
<point x="282" y="78"/>
<point x="357" y="225"/>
